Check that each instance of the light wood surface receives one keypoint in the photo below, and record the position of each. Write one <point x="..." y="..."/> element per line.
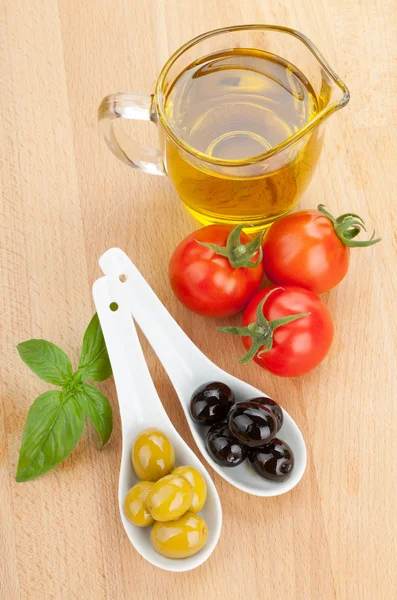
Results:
<point x="65" y="199"/>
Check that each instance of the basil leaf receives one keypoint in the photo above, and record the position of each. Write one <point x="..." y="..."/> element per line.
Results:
<point x="47" y="360"/>
<point x="97" y="408"/>
<point x="94" y="360"/>
<point x="54" y="425"/>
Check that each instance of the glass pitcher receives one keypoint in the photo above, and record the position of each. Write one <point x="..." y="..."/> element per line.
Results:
<point x="260" y="78"/>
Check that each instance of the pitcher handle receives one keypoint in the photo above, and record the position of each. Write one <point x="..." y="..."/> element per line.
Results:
<point x="127" y="105"/>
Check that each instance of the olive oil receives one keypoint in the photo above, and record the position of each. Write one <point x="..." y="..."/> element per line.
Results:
<point x="232" y="106"/>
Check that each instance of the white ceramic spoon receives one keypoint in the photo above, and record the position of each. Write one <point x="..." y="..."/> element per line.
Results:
<point x="188" y="368"/>
<point x="140" y="407"/>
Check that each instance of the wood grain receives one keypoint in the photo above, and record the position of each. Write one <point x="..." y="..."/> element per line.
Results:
<point x="65" y="199"/>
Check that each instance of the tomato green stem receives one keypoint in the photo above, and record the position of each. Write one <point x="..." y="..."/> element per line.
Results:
<point x="261" y="331"/>
<point x="347" y="227"/>
<point x="238" y="254"/>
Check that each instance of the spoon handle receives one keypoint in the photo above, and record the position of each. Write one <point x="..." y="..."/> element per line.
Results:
<point x="181" y="359"/>
<point x="137" y="396"/>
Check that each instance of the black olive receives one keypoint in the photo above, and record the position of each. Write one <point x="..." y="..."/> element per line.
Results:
<point x="215" y="427"/>
<point x="223" y="447"/>
<point x="211" y="403"/>
<point x="274" y="461"/>
<point x="274" y="407"/>
<point x="252" y="423"/>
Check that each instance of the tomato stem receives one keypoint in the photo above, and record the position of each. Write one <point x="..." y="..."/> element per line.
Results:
<point x="261" y="331"/>
<point x="238" y="254"/>
<point x="347" y="227"/>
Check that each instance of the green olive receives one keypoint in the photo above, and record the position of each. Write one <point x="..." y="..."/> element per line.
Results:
<point x="135" y="504"/>
<point x="181" y="538"/>
<point x="169" y="498"/>
<point x="198" y="484"/>
<point x="153" y="455"/>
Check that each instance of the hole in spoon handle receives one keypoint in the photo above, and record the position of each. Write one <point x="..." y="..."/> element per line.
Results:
<point x="182" y="360"/>
<point x="138" y="399"/>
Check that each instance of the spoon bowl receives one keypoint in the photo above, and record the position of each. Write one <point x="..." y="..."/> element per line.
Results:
<point x="140" y="408"/>
<point x="188" y="368"/>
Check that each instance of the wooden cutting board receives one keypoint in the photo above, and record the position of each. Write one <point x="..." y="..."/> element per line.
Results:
<point x="65" y="199"/>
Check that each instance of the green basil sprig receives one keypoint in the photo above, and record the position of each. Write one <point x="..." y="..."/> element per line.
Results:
<point x="56" y="418"/>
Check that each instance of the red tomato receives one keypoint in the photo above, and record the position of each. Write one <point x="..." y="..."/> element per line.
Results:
<point x="295" y="347"/>
<point x="311" y="249"/>
<point x="205" y="281"/>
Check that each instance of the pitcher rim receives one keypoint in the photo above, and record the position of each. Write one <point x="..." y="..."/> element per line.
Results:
<point x="304" y="130"/>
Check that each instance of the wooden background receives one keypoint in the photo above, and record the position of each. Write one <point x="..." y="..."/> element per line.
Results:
<point x="65" y="199"/>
